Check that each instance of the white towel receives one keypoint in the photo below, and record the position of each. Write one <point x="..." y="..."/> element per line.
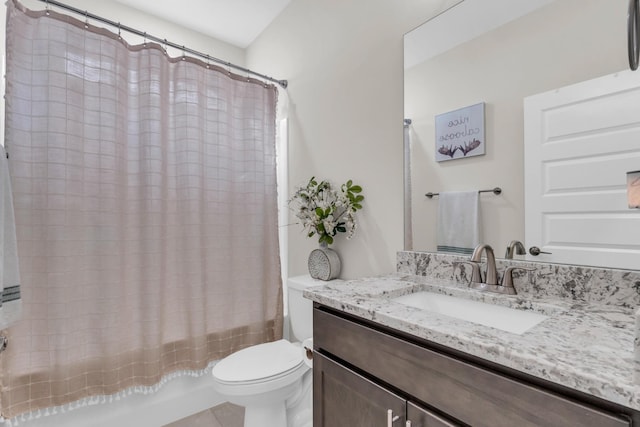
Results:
<point x="458" y="222"/>
<point x="10" y="302"/>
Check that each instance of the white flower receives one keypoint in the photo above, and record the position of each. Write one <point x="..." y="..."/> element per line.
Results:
<point x="329" y="224"/>
<point x="325" y="211"/>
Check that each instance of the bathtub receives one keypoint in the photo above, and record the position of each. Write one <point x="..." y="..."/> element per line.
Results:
<point x="177" y="398"/>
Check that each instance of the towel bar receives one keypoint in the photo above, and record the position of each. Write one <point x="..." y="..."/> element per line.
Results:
<point x="496" y="191"/>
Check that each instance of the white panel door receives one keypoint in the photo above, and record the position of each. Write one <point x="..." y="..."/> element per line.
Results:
<point x="580" y="141"/>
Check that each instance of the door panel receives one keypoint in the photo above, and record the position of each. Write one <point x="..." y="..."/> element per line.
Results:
<point x="420" y="417"/>
<point x="343" y="398"/>
<point x="580" y="141"/>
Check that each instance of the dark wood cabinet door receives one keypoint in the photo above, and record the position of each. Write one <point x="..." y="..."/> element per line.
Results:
<point x="342" y="398"/>
<point x="420" y="417"/>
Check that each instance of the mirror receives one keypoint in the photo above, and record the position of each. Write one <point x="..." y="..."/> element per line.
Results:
<point x="495" y="52"/>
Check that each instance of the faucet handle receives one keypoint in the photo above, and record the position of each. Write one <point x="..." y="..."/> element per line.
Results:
<point x="515" y="246"/>
<point x="476" y="276"/>
<point x="507" y="279"/>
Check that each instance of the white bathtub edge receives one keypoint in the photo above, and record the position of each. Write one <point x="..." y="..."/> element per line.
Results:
<point x="179" y="398"/>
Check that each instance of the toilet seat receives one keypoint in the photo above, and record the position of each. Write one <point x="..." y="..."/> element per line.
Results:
<point x="259" y="368"/>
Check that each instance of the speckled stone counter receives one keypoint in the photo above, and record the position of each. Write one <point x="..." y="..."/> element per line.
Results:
<point x="586" y="343"/>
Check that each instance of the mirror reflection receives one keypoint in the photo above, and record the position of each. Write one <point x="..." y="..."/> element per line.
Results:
<point x="495" y="52"/>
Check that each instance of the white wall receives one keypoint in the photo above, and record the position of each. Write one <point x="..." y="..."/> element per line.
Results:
<point x="565" y="42"/>
<point x="343" y="60"/>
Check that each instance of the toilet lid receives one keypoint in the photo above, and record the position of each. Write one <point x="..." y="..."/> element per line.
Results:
<point x="258" y="362"/>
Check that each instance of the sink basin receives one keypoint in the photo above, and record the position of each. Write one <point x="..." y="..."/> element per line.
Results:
<point x="495" y="316"/>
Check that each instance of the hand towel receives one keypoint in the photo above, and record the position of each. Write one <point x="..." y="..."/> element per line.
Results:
<point x="458" y="222"/>
<point x="10" y="302"/>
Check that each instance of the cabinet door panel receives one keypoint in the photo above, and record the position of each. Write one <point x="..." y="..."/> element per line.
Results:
<point x="343" y="398"/>
<point x="469" y="393"/>
<point x="420" y="417"/>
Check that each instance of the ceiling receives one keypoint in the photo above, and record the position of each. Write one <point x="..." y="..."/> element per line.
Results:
<point x="237" y="22"/>
<point x="464" y="21"/>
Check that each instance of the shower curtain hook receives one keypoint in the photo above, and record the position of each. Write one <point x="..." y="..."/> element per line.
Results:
<point x="47" y="8"/>
<point x="208" y="63"/>
<point x="184" y="58"/>
<point x="119" y="32"/>
<point x="166" y="47"/>
<point x="86" y="19"/>
<point x="144" y="43"/>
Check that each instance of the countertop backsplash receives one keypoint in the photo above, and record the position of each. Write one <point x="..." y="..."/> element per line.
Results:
<point x="595" y="285"/>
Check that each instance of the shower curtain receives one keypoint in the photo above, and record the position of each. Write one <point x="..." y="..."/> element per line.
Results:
<point x="146" y="211"/>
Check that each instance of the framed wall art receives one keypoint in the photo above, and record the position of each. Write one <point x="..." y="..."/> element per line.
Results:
<point x="460" y="133"/>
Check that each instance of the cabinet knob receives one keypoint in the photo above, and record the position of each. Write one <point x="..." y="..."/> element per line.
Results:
<point x="391" y="418"/>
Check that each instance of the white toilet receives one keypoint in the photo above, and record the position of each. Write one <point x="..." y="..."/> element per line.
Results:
<point x="272" y="380"/>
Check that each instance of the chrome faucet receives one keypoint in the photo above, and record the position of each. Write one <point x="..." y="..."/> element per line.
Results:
<point x="490" y="283"/>
<point x="516" y="246"/>
<point x="491" y="277"/>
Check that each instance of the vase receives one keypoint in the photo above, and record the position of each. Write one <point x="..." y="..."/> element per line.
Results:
<point x="324" y="263"/>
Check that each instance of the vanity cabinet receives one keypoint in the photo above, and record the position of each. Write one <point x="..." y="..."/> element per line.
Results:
<point x="348" y="399"/>
<point x="362" y="370"/>
<point x="420" y="417"/>
<point x="345" y="398"/>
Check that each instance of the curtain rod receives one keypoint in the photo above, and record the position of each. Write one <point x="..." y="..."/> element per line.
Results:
<point x="164" y="42"/>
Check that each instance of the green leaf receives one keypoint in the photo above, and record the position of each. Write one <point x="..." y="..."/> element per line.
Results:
<point x="357" y="206"/>
<point x="356" y="189"/>
<point x="325" y="238"/>
<point x="359" y="199"/>
<point x="319" y="212"/>
<point x="349" y="183"/>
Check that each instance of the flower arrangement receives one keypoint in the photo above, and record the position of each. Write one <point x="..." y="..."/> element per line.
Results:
<point x="325" y="211"/>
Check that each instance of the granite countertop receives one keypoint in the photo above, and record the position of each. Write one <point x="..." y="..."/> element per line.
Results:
<point x="585" y="346"/>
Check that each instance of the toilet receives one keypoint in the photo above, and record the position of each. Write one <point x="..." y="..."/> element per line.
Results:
<point x="273" y="380"/>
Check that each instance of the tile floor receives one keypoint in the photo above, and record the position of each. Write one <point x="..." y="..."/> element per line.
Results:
<point x="225" y="415"/>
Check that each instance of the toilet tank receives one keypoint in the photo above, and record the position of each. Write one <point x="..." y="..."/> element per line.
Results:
<point x="300" y="308"/>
